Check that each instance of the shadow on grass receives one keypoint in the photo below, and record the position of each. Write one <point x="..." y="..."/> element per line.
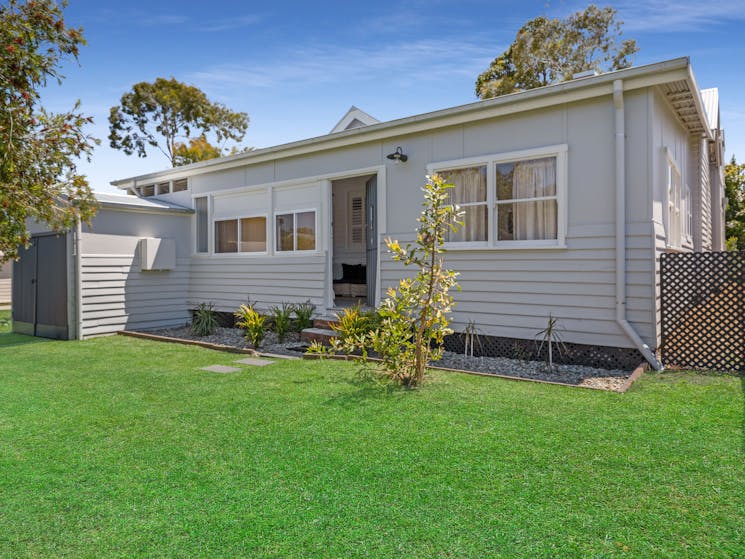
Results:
<point x="8" y="339"/>
<point x="366" y="389"/>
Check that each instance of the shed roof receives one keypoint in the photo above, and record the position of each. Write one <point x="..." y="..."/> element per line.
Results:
<point x="126" y="202"/>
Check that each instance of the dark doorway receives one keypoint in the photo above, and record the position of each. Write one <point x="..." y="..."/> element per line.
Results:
<point x="40" y="288"/>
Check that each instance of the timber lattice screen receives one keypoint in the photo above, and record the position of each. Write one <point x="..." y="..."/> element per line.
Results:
<point x="703" y="310"/>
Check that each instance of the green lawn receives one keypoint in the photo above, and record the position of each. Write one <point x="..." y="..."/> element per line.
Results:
<point x="118" y="447"/>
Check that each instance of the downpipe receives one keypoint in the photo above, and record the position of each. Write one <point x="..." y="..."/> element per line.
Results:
<point x="78" y="282"/>
<point x="620" y="145"/>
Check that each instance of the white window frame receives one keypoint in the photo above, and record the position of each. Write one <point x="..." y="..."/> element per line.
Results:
<point x="268" y="238"/>
<point x="214" y="235"/>
<point x="673" y="217"/>
<point x="688" y="204"/>
<point x="294" y="213"/>
<point x="239" y="252"/>
<point x="558" y="151"/>
<point x="195" y="244"/>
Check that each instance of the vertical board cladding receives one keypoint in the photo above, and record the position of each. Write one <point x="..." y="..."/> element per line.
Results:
<point x="702" y="218"/>
<point x="115" y="293"/>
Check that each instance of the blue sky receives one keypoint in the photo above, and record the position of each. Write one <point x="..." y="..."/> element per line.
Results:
<point x="296" y="67"/>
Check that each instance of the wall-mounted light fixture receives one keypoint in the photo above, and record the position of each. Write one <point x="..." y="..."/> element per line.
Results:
<point x="398" y="155"/>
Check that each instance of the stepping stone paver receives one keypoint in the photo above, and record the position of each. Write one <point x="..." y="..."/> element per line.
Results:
<point x="255" y="361"/>
<point x="220" y="369"/>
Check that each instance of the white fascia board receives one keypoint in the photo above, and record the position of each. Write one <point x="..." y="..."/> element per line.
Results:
<point x="143" y="209"/>
<point x="556" y="94"/>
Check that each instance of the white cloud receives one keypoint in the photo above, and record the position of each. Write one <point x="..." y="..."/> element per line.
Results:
<point x="227" y="24"/>
<point x="404" y="63"/>
<point x="681" y="15"/>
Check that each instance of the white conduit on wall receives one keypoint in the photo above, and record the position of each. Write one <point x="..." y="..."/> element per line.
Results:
<point x="620" y="141"/>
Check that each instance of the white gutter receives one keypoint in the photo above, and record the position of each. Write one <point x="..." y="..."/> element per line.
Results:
<point x="620" y="143"/>
<point x="532" y="99"/>
<point x="78" y="283"/>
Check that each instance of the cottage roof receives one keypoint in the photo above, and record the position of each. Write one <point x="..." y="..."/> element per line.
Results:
<point x="674" y="77"/>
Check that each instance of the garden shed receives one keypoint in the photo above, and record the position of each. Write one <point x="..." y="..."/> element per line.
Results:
<point x="127" y="269"/>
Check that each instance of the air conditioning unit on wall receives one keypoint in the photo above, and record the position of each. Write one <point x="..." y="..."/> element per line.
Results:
<point x="157" y="254"/>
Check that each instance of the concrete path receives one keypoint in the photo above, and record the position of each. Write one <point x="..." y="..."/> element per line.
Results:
<point x="255" y="361"/>
<point x="251" y="361"/>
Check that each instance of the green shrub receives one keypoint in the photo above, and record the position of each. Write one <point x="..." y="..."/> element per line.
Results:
<point x="352" y="323"/>
<point x="204" y="322"/>
<point x="252" y="323"/>
<point x="413" y="318"/>
<point x="282" y="319"/>
<point x="304" y="315"/>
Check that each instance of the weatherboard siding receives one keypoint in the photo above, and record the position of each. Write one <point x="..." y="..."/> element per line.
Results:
<point x="5" y="291"/>
<point x="117" y="296"/>
<point x="228" y="282"/>
<point x="511" y="293"/>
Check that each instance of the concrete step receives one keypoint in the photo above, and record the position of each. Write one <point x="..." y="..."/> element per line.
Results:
<point x="325" y="322"/>
<point x="321" y="335"/>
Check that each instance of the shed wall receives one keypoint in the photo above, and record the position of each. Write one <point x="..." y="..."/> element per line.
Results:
<point x="115" y="294"/>
<point x="5" y="282"/>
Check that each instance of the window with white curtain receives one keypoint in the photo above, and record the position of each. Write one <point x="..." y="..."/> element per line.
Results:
<point x="469" y="194"/>
<point x="527" y="202"/>
<point x="509" y="200"/>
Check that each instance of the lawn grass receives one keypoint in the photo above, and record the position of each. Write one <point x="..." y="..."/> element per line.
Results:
<point x="119" y="447"/>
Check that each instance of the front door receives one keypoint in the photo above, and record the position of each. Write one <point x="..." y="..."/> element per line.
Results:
<point x="371" y="236"/>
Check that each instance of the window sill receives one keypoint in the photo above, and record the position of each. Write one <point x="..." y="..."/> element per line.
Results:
<point x="673" y="248"/>
<point x="503" y="247"/>
<point x="257" y="255"/>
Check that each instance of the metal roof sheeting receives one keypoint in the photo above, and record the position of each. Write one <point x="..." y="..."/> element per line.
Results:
<point x="124" y="201"/>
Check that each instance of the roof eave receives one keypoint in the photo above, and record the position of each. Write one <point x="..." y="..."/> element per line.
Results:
<point x="634" y="78"/>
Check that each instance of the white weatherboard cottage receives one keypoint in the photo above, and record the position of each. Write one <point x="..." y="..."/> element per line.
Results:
<point x="570" y="193"/>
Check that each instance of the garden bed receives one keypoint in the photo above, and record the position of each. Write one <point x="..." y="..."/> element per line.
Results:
<point x="572" y="375"/>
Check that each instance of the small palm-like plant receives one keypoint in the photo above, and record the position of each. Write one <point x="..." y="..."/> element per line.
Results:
<point x="551" y="335"/>
<point x="304" y="315"/>
<point x="204" y="322"/>
<point x="252" y="323"/>
<point x="282" y="318"/>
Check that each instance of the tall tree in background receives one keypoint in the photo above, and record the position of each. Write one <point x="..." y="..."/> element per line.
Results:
<point x="547" y="51"/>
<point x="199" y="149"/>
<point x="38" y="149"/>
<point x="734" y="189"/>
<point x="164" y="114"/>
